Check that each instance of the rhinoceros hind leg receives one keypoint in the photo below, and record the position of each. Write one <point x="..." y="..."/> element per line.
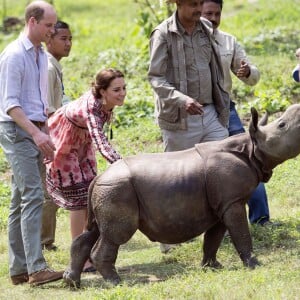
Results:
<point x="80" y="252"/>
<point x="212" y="240"/>
<point x="104" y="255"/>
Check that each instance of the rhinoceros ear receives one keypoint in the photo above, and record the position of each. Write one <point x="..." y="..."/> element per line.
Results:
<point x="254" y="121"/>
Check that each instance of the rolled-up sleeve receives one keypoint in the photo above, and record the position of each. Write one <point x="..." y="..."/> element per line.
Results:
<point x="11" y="82"/>
<point x="239" y="55"/>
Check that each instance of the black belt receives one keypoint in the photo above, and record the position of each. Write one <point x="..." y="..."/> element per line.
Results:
<point x="38" y="124"/>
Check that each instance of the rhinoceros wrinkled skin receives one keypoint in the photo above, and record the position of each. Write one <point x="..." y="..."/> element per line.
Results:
<point x="175" y="196"/>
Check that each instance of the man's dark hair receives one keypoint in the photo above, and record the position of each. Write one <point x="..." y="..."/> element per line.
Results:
<point x="60" y="25"/>
<point x="220" y="2"/>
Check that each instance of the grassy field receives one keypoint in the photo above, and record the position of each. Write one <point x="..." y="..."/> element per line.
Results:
<point x="105" y="33"/>
<point x="148" y="274"/>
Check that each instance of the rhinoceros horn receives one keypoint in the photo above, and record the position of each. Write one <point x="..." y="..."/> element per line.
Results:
<point x="264" y="119"/>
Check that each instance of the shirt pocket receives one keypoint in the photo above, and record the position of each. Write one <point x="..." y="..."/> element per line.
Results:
<point x="169" y="113"/>
<point x="226" y="57"/>
<point x="189" y="55"/>
<point x="204" y="48"/>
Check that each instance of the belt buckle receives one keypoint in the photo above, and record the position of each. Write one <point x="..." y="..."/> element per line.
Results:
<point x="38" y="124"/>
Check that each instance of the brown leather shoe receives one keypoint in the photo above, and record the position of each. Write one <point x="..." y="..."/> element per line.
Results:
<point x="19" y="279"/>
<point x="44" y="276"/>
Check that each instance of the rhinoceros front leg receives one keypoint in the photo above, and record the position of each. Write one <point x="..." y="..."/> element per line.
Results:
<point x="212" y="240"/>
<point x="80" y="252"/>
<point x="235" y="219"/>
<point x="104" y="255"/>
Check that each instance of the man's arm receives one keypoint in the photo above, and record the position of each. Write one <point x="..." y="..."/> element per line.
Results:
<point x="242" y="67"/>
<point x="50" y="90"/>
<point x="166" y="92"/>
<point x="41" y="139"/>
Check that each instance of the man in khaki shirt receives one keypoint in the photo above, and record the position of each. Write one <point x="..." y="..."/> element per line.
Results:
<point x="234" y="60"/>
<point x="58" y="46"/>
<point x="185" y="73"/>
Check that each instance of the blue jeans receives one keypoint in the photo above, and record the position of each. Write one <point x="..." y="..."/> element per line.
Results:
<point x="25" y="212"/>
<point x="258" y="202"/>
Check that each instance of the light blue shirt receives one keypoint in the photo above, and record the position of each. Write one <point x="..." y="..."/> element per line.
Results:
<point x="23" y="81"/>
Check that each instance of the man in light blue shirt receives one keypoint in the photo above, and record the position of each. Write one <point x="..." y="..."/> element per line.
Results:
<point x="26" y="143"/>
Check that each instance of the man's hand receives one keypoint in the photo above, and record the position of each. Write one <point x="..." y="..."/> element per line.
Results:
<point x="43" y="141"/>
<point x="193" y="107"/>
<point x="298" y="54"/>
<point x="244" y="70"/>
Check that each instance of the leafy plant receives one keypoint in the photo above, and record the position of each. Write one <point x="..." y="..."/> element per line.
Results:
<point x="151" y="14"/>
<point x="277" y="40"/>
<point x="270" y="101"/>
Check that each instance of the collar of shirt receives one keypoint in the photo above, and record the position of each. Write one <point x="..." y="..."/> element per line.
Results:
<point x="54" y="62"/>
<point x="181" y="29"/>
<point x="27" y="43"/>
<point x="218" y="37"/>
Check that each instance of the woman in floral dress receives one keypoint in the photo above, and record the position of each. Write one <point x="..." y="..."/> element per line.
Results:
<point x="76" y="130"/>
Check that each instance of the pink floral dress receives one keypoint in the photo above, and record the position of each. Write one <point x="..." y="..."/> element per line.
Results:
<point x="76" y="129"/>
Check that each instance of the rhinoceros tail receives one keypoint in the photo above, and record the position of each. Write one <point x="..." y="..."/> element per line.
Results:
<point x="91" y="217"/>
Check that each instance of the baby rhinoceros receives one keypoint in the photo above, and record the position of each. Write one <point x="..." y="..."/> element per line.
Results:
<point x="173" y="197"/>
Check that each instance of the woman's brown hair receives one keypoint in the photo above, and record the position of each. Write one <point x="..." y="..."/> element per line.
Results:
<point x="103" y="80"/>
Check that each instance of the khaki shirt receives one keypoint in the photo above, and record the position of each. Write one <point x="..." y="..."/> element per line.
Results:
<point x="55" y="87"/>
<point x="232" y="54"/>
<point x="198" y="52"/>
<point x="169" y="78"/>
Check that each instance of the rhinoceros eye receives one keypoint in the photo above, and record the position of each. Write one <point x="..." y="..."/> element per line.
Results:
<point x="281" y="124"/>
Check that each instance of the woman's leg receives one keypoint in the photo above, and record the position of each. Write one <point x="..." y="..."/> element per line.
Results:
<point x="78" y="219"/>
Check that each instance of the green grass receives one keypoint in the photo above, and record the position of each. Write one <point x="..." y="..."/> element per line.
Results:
<point x="148" y="274"/>
<point x="105" y="34"/>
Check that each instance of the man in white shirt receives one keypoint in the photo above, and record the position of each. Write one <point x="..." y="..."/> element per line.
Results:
<point x="235" y="60"/>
